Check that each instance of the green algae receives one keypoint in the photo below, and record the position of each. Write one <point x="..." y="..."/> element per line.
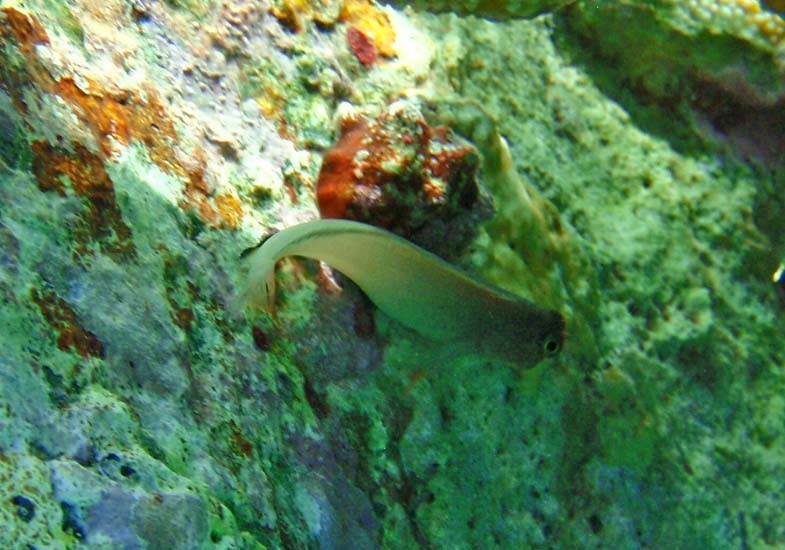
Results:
<point x="164" y="443"/>
<point x="60" y="14"/>
<point x="647" y="178"/>
<point x="501" y="9"/>
<point x="660" y="425"/>
<point x="671" y="44"/>
<point x="14" y="151"/>
<point x="694" y="63"/>
<point x="300" y="99"/>
<point x="30" y="475"/>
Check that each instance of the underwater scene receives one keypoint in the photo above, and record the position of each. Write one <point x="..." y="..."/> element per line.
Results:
<point x="359" y="274"/>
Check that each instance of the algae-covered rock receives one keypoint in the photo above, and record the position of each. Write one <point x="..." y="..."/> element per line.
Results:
<point x="501" y="9"/>
<point x="719" y="63"/>
<point x="633" y="152"/>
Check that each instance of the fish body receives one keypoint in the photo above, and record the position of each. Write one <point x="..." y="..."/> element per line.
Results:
<point x="416" y="288"/>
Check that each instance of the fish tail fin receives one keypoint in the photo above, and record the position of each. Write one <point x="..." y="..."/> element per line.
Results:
<point x="259" y="292"/>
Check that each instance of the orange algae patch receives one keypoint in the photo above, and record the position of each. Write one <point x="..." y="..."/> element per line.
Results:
<point x="295" y="14"/>
<point x="123" y="116"/>
<point x="222" y="211"/>
<point x="335" y="188"/>
<point x="27" y="30"/>
<point x="115" y="118"/>
<point x="368" y="18"/>
<point x="230" y="208"/>
<point x="120" y="116"/>
<point x="102" y="222"/>
<point x="61" y="317"/>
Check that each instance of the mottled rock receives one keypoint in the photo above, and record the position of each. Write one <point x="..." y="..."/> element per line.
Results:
<point x="398" y="172"/>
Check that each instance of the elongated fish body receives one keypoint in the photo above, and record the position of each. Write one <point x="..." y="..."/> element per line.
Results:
<point x="416" y="288"/>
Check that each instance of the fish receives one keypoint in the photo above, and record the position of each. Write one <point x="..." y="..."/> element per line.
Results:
<point x="414" y="287"/>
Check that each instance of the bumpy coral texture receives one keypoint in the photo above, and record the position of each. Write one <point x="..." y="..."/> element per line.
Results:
<point x="398" y="172"/>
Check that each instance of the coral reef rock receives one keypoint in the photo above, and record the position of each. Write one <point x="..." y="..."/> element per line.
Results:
<point x="398" y="172"/>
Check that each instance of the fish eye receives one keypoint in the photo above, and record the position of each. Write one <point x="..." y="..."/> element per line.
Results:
<point x="550" y="345"/>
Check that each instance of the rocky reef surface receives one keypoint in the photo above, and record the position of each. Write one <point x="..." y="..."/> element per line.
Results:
<point x="633" y="153"/>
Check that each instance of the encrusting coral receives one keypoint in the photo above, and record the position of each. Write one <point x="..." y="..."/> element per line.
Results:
<point x="398" y="172"/>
